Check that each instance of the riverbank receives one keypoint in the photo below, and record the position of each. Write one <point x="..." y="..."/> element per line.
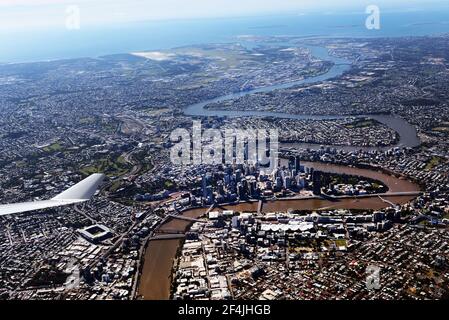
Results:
<point x="155" y="278"/>
<point x="408" y="136"/>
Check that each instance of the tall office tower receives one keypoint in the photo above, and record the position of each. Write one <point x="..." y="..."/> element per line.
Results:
<point x="301" y="182"/>
<point x="245" y="152"/>
<point x="227" y="180"/>
<point x="233" y="184"/>
<point x="246" y="170"/>
<point x="274" y="174"/>
<point x="204" y="186"/>
<point x="209" y="195"/>
<point x="228" y="169"/>
<point x="293" y="173"/>
<point x="238" y="175"/>
<point x="252" y="170"/>
<point x="291" y="163"/>
<point x="316" y="179"/>
<point x="287" y="182"/>
<point x="279" y="183"/>
<point x="207" y="180"/>
<point x="220" y="187"/>
<point x="241" y="191"/>
<point x="245" y="186"/>
<point x="253" y="188"/>
<point x="297" y="164"/>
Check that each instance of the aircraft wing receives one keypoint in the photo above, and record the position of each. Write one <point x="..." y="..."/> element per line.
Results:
<point x="80" y="192"/>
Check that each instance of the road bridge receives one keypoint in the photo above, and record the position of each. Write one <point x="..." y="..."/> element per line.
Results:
<point x="167" y="237"/>
<point x="180" y="217"/>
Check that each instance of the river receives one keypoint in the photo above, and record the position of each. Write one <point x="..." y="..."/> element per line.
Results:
<point x="407" y="132"/>
<point x="155" y="280"/>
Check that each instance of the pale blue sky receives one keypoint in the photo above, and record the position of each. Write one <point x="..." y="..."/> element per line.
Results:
<point x="29" y="14"/>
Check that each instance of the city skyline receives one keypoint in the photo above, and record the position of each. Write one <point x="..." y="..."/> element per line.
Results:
<point x="278" y="152"/>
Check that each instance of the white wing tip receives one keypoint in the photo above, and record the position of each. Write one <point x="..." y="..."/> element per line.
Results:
<point x="80" y="192"/>
<point x="83" y="190"/>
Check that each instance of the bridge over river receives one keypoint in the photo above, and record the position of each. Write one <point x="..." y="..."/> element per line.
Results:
<point x="156" y="275"/>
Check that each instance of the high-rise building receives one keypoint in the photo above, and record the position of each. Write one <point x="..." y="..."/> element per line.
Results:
<point x="209" y="195"/>
<point x="294" y="164"/>
<point x="316" y="179"/>
<point x="287" y="182"/>
<point x="291" y="163"/>
<point x="278" y="184"/>
<point x="297" y="164"/>
<point x="207" y="180"/>
<point x="220" y="187"/>
<point x="238" y="175"/>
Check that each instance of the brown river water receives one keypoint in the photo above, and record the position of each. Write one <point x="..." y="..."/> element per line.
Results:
<point x="155" y="280"/>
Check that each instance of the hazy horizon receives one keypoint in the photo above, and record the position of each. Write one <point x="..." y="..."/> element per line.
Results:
<point x="36" y="31"/>
<point x="25" y="15"/>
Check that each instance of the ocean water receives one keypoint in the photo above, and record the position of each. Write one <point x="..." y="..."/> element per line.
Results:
<point x="59" y="43"/>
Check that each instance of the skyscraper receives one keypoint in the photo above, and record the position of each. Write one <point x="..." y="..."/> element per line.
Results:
<point x="316" y="179"/>
<point x="294" y="163"/>
<point x="207" y="180"/>
<point x="297" y="166"/>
